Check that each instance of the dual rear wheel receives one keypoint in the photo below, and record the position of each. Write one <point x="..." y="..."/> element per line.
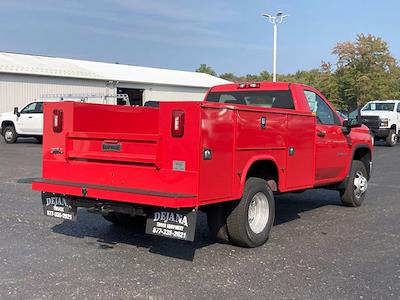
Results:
<point x="246" y="222"/>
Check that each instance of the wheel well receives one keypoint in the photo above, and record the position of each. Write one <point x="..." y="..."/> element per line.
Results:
<point x="363" y="155"/>
<point x="5" y="124"/>
<point x="394" y="128"/>
<point x="267" y="170"/>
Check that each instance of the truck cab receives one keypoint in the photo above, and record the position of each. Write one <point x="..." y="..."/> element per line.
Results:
<point x="25" y="123"/>
<point x="383" y="119"/>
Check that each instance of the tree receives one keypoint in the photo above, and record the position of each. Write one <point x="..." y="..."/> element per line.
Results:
<point x="328" y="85"/>
<point x="366" y="70"/>
<point x="265" y="76"/>
<point x="230" y="77"/>
<point x="206" y="69"/>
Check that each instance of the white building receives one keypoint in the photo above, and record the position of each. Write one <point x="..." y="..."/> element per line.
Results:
<point x="24" y="78"/>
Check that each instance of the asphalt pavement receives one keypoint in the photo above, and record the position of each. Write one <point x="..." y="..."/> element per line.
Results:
<point x="318" y="249"/>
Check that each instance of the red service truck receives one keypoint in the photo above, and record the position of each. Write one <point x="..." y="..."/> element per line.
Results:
<point x="226" y="156"/>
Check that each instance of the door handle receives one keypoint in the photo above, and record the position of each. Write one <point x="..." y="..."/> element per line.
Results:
<point x="30" y="117"/>
<point x="321" y="133"/>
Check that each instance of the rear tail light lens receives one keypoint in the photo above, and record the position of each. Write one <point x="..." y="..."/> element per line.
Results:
<point x="178" y="123"/>
<point x="57" y="120"/>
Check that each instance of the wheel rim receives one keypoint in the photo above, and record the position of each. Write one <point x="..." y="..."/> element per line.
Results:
<point x="394" y="138"/>
<point x="8" y="135"/>
<point x="258" y="212"/>
<point x="360" y="184"/>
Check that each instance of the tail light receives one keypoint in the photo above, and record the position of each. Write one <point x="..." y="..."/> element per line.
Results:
<point x="178" y="123"/>
<point x="249" y="85"/>
<point x="254" y="85"/>
<point x="57" y="120"/>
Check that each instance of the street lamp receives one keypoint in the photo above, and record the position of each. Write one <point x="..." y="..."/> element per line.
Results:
<point x="277" y="19"/>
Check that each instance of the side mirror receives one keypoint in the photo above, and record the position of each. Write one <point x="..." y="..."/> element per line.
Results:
<point x="354" y="118"/>
<point x="346" y="128"/>
<point x="16" y="112"/>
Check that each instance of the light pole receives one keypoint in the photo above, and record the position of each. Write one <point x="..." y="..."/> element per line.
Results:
<point x="277" y="19"/>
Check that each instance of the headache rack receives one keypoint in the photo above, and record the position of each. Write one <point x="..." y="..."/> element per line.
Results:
<point x="120" y="99"/>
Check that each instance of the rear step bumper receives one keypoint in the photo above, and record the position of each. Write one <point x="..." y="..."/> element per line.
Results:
<point x="122" y="194"/>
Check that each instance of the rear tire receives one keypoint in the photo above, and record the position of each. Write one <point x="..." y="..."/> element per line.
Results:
<point x="10" y="135"/>
<point x="251" y="218"/>
<point x="216" y="220"/>
<point x="354" y="193"/>
<point x="391" y="139"/>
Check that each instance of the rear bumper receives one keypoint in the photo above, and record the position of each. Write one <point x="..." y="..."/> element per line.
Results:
<point x="120" y="194"/>
<point x="380" y="132"/>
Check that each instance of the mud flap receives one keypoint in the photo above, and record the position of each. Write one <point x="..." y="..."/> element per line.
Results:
<point x="173" y="223"/>
<point x="58" y="206"/>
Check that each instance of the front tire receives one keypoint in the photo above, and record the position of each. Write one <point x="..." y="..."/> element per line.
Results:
<point x="391" y="139"/>
<point x="354" y="193"/>
<point x="251" y="218"/>
<point x="10" y="135"/>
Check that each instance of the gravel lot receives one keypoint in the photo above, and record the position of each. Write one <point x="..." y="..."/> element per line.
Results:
<point x="318" y="249"/>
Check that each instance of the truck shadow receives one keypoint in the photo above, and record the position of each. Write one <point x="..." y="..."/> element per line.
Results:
<point x="289" y="206"/>
<point x="108" y="236"/>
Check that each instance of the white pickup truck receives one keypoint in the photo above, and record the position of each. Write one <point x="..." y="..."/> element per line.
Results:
<point x="25" y="123"/>
<point x="383" y="120"/>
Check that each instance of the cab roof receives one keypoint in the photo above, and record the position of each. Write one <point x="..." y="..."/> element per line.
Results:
<point x="264" y="85"/>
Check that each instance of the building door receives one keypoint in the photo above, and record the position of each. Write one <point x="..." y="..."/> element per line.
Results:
<point x="135" y="96"/>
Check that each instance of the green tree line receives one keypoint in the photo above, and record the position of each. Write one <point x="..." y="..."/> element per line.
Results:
<point x="364" y="70"/>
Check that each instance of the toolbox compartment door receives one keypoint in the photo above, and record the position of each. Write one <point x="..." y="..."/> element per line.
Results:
<point x="114" y="147"/>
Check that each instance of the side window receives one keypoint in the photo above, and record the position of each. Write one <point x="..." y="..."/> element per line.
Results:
<point x="39" y="108"/>
<point x="312" y="100"/>
<point x="398" y="107"/>
<point x="325" y="115"/>
<point x="30" y="108"/>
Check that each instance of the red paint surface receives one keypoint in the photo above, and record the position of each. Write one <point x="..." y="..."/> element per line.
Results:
<point x="148" y="150"/>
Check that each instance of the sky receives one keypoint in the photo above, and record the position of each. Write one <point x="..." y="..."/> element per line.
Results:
<point x="228" y="35"/>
